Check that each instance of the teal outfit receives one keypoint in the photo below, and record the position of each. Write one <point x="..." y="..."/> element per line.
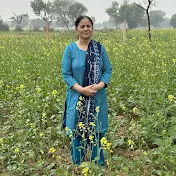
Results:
<point x="73" y="69"/>
<point x="73" y="63"/>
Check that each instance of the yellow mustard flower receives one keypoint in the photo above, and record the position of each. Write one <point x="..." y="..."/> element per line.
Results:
<point x="80" y="125"/>
<point x="174" y="60"/>
<point x="135" y="111"/>
<point x="52" y="150"/>
<point x="41" y="151"/>
<point x="85" y="171"/>
<point x="124" y="108"/>
<point x="21" y="86"/>
<point x="131" y="143"/>
<point x="97" y="109"/>
<point x="58" y="157"/>
<point x="17" y="150"/>
<point x="83" y="164"/>
<point x="164" y="131"/>
<point x="41" y="134"/>
<point x="1" y="83"/>
<point x="54" y="93"/>
<point x="79" y="103"/>
<point x="171" y="97"/>
<point x="145" y="153"/>
<point x="92" y="124"/>
<point x="81" y="98"/>
<point x="44" y="114"/>
<point x="39" y="90"/>
<point x="66" y="129"/>
<point x="91" y="137"/>
<point x="70" y="135"/>
<point x="103" y="141"/>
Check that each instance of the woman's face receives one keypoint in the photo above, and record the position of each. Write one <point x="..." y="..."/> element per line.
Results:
<point x="84" y="29"/>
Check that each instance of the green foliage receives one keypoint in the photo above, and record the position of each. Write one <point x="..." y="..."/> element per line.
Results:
<point x="132" y="14"/>
<point x="64" y="11"/>
<point x="173" y="21"/>
<point x="3" y="26"/>
<point x="37" y="24"/>
<point x="141" y="96"/>
<point x="75" y="10"/>
<point x="156" y="17"/>
<point x="67" y="11"/>
<point x="113" y="12"/>
<point x="43" y="9"/>
<point x="129" y="12"/>
<point x="20" y="20"/>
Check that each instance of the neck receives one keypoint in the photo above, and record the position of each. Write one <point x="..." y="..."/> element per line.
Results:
<point x="84" y="41"/>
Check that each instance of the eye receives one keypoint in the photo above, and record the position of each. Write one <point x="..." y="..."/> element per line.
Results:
<point x="82" y="26"/>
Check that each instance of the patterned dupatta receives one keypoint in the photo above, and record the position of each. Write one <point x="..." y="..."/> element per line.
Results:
<point x="91" y="76"/>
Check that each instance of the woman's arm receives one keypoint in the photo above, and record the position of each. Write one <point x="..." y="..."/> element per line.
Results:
<point x="107" y="68"/>
<point x="67" y="68"/>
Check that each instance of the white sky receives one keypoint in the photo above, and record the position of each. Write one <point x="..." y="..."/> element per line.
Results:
<point x="95" y="8"/>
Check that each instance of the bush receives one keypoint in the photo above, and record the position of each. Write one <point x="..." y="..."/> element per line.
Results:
<point x="173" y="21"/>
<point x="3" y="27"/>
<point x="18" y="29"/>
<point x="36" y="30"/>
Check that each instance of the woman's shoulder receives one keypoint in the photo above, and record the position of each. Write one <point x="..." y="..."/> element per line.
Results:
<point x="70" y="48"/>
<point x="70" y="45"/>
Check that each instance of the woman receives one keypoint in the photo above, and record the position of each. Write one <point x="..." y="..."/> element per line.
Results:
<point x="86" y="70"/>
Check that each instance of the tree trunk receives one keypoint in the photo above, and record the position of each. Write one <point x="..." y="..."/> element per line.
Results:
<point x="67" y="27"/>
<point x="124" y="32"/>
<point x="149" y="29"/>
<point x="47" y="30"/>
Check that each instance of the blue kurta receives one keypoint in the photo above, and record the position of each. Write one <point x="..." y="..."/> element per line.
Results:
<point x="73" y="62"/>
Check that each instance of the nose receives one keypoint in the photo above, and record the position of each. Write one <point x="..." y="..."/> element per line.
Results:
<point x="85" y="28"/>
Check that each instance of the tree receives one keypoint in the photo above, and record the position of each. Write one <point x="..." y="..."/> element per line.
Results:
<point x="45" y="10"/>
<point x="165" y="23"/>
<point x="61" y="8"/>
<point x="157" y="16"/>
<point x="36" y="24"/>
<point x="113" y="13"/>
<point x="149" y="3"/>
<point x="17" y="19"/>
<point x="132" y="14"/>
<point x="75" y="10"/>
<point x="173" y="21"/>
<point x="25" y="22"/>
<point x="3" y="27"/>
<point x="67" y="11"/>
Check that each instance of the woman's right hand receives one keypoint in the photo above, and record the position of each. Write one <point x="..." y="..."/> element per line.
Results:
<point x="88" y="91"/>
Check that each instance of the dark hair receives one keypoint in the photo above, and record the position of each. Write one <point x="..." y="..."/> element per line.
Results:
<point x="78" y="20"/>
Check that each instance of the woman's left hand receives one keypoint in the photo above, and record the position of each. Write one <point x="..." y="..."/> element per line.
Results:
<point x="95" y="87"/>
<point x="99" y="86"/>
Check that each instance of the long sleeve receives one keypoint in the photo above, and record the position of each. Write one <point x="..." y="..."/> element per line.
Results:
<point x="67" y="68"/>
<point x="107" y="68"/>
